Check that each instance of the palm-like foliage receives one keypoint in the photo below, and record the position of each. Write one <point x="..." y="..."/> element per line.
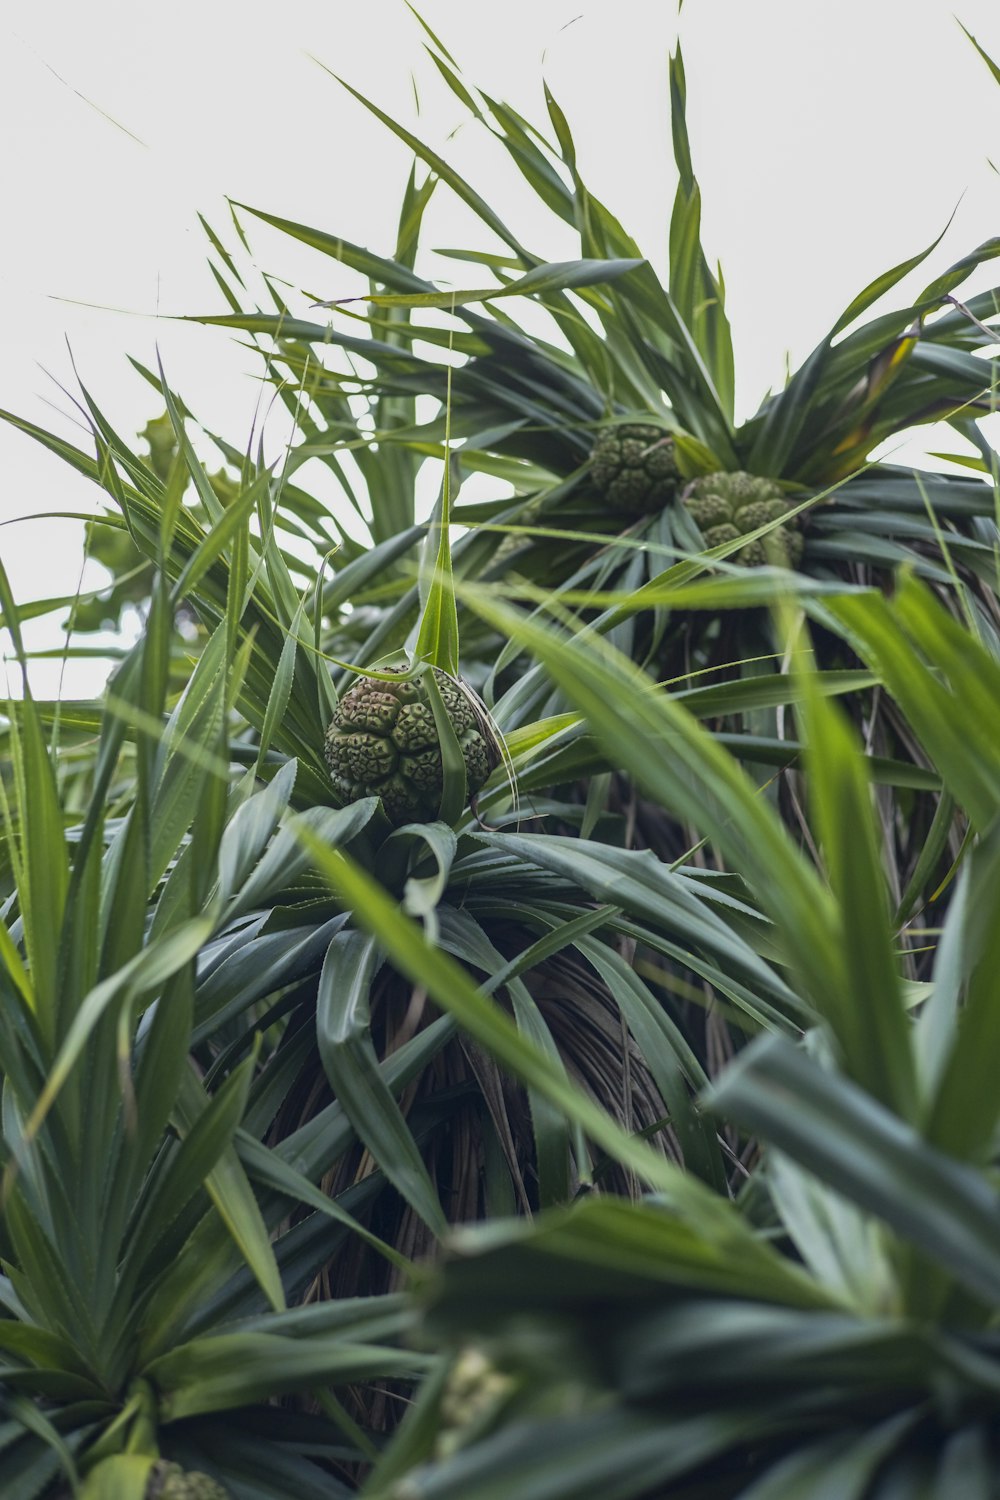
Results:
<point x="560" y="964"/>
<point x="623" y="345"/>
<point x="347" y="1037"/>
<point x="634" y="1350"/>
<point x="261" y="1050"/>
<point x="146" y="1297"/>
<point x="526" y="409"/>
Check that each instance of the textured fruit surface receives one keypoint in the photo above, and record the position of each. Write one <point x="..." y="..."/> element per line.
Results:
<point x="170" y="1482"/>
<point x="633" y="468"/>
<point x="383" y="741"/>
<point x="727" y="506"/>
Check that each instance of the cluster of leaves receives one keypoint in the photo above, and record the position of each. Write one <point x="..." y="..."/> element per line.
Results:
<point x="688" y="1023"/>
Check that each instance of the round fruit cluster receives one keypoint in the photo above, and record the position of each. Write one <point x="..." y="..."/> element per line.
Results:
<point x="383" y="741"/>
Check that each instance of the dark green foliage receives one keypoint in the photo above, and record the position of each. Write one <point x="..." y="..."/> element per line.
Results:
<point x="618" y="1124"/>
<point x="632" y="1349"/>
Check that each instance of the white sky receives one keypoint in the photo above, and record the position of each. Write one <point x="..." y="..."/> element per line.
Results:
<point x="830" y="141"/>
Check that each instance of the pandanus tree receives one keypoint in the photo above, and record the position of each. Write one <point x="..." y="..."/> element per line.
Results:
<point x="637" y="379"/>
<point x="618" y="438"/>
<point x="406" y="1117"/>
<point x="439" y="877"/>
<point x="151" y="1273"/>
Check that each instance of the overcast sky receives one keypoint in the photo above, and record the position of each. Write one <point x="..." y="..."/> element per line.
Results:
<point x="830" y="141"/>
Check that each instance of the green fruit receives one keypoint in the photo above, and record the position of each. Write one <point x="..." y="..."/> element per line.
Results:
<point x="632" y="466"/>
<point x="727" y="506"/>
<point x="170" y="1482"/>
<point x="383" y="742"/>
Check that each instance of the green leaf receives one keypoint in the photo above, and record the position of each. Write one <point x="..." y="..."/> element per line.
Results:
<point x="993" y="67"/>
<point x="948" y="687"/>
<point x="145" y="973"/>
<point x="835" y="1468"/>
<point x="467" y="940"/>
<point x="284" y="859"/>
<point x="448" y="984"/>
<point x="942" y="285"/>
<point x="437" y="632"/>
<point x="871" y="1025"/>
<point x="345" y="1046"/>
<point x="162" y="1058"/>
<point x="550" y="277"/>
<point x="202" y="484"/>
<point x="210" y="1134"/>
<point x="677" y="1072"/>
<point x="224" y="532"/>
<point x="963" y="1041"/>
<point x="281" y="689"/>
<point x="884" y="283"/>
<point x="608" y="1454"/>
<point x="188" y="757"/>
<point x="697" y="293"/>
<point x="42" y="868"/>
<point x="454" y="789"/>
<point x="645" y="732"/>
<point x="947" y="1210"/>
<point x="664" y="900"/>
<point x="124" y="1476"/>
<point x="785" y="416"/>
<point x="235" y="1369"/>
<point x="250" y="828"/>
<point x="266" y="1167"/>
<point x="442" y="169"/>
<point x="415" y="1438"/>
<point x="41" y="1471"/>
<point x="233" y="1197"/>
<point x="844" y="1248"/>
